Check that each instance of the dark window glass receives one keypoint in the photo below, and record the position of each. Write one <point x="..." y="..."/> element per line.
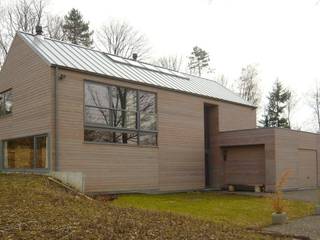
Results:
<point x="147" y="102"/>
<point x="98" y="116"/>
<point x="97" y="95"/>
<point x="148" y="121"/>
<point x="115" y="110"/>
<point x="108" y="136"/>
<point x="41" y="152"/>
<point x="123" y="98"/>
<point x="26" y="153"/>
<point x="124" y="119"/>
<point x="5" y="103"/>
<point x="8" y="102"/>
<point x="148" y="139"/>
<point x="19" y="153"/>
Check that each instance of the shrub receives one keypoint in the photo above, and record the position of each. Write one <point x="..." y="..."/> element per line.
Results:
<point x="278" y="203"/>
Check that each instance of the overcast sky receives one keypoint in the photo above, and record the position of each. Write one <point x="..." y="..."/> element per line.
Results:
<point x="281" y="36"/>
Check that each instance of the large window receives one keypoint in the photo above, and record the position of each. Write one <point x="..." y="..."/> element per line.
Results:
<point x="5" y="102"/>
<point x="26" y="153"/>
<point x="119" y="115"/>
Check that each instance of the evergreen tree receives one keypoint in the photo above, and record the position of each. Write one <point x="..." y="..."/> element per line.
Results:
<point x="275" y="111"/>
<point x="198" y="60"/>
<point x="76" y="30"/>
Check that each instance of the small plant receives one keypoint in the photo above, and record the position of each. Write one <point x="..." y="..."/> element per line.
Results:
<point x="278" y="203"/>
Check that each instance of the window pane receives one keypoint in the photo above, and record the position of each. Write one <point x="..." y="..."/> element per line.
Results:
<point x="123" y="98"/>
<point x="108" y="136"/>
<point x="19" y="153"/>
<point x="97" y="95"/>
<point x="147" y="102"/>
<point x="148" y="121"/>
<point x="41" y="152"/>
<point x="124" y="119"/>
<point x="8" y="102"/>
<point x="148" y="139"/>
<point x="98" y="116"/>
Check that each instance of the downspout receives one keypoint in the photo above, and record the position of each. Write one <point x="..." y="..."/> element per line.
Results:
<point x="56" y="149"/>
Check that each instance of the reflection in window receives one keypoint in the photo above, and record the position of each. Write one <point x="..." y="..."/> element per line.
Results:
<point x="107" y="136"/>
<point x="118" y="114"/>
<point x="5" y="103"/>
<point x="26" y="153"/>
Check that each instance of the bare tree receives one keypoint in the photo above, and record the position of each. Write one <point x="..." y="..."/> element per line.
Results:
<point x="170" y="62"/>
<point x="54" y="27"/>
<point x="314" y="103"/>
<point x="248" y="84"/>
<point x="19" y="15"/>
<point x="121" y="39"/>
<point x="222" y="80"/>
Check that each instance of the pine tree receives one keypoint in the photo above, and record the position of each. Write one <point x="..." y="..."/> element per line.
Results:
<point x="275" y="111"/>
<point x="198" y="60"/>
<point x="76" y="30"/>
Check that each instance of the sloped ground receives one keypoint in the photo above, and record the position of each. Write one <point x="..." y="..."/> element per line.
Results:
<point x="32" y="207"/>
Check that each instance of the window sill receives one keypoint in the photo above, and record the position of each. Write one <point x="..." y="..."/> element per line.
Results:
<point x="120" y="145"/>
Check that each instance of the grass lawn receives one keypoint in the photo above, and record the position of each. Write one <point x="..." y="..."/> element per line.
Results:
<point x="32" y="207"/>
<point x="243" y="211"/>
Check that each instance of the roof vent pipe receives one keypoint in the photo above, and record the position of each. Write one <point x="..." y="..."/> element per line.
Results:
<point x="135" y="56"/>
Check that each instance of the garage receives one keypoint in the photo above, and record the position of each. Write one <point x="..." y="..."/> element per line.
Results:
<point x="244" y="165"/>
<point x="307" y="168"/>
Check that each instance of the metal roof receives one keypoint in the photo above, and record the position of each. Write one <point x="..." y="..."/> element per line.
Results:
<point x="63" y="54"/>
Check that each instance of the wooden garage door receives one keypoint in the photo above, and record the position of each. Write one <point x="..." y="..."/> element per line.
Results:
<point x="244" y="165"/>
<point x="307" y="168"/>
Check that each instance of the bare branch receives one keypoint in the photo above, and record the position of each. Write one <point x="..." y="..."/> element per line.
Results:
<point x="121" y="39"/>
<point x="170" y="62"/>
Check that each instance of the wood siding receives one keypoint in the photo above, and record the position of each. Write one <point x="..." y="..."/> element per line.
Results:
<point x="176" y="164"/>
<point x="30" y="80"/>
<point x="285" y="150"/>
<point x="244" y="165"/>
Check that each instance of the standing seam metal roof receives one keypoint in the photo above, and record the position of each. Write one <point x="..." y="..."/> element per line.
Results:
<point x="58" y="53"/>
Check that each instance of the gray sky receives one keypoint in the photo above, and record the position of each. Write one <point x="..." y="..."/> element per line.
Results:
<point x="281" y="36"/>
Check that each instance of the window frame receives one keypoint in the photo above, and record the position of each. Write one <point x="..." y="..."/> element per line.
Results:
<point x="137" y="130"/>
<point x="48" y="149"/>
<point x="3" y="113"/>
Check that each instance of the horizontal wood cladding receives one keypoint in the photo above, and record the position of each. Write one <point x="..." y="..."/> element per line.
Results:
<point x="176" y="164"/>
<point x="283" y="148"/>
<point x="245" y="165"/>
<point x="32" y="87"/>
<point x="289" y="145"/>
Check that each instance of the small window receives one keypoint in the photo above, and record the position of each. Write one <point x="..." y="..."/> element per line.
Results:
<point x="6" y="103"/>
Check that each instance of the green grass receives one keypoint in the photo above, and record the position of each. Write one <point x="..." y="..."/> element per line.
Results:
<point x="34" y="208"/>
<point x="243" y="211"/>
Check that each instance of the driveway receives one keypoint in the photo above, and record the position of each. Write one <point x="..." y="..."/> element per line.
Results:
<point x="306" y="227"/>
